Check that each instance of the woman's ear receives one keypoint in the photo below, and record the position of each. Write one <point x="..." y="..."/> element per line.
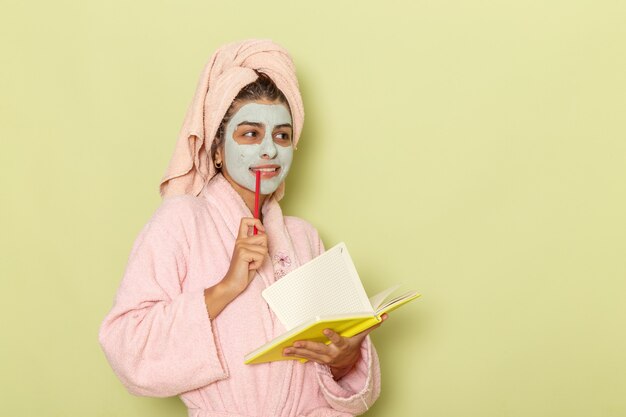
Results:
<point x="218" y="159"/>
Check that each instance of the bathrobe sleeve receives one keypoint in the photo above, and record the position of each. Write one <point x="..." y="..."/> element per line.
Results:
<point x="157" y="338"/>
<point x="358" y="390"/>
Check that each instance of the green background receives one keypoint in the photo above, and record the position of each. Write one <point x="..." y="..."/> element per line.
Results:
<point x="471" y="150"/>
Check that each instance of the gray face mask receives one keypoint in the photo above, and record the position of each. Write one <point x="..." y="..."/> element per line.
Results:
<point x="271" y="154"/>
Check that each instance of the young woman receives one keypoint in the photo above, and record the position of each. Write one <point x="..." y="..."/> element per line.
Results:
<point x="189" y="307"/>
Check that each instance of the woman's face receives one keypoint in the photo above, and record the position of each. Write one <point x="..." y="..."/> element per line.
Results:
<point x="258" y="138"/>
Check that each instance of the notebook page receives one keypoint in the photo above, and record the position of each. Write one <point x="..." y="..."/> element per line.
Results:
<point x="327" y="285"/>
<point x="377" y="300"/>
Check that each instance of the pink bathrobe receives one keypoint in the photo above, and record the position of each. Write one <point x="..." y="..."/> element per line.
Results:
<point x="160" y="342"/>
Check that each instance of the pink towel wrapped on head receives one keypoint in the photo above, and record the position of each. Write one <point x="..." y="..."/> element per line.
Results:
<point x="158" y="337"/>
<point x="231" y="68"/>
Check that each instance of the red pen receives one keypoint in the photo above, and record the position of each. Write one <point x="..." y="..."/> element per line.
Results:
<point x="257" y="190"/>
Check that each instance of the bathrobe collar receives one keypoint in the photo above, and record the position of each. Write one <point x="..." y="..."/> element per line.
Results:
<point x="232" y="208"/>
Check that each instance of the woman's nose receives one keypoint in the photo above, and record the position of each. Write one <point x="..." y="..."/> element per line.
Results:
<point x="268" y="148"/>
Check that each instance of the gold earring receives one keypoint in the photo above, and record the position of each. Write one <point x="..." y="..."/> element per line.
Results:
<point x="217" y="165"/>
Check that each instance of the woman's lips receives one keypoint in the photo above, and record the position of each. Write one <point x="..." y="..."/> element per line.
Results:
<point x="267" y="171"/>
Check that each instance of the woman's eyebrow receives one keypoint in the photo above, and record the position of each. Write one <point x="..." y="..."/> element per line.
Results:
<point x="283" y="125"/>
<point x="255" y="124"/>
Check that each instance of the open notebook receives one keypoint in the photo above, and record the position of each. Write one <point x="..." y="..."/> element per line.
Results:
<point x="326" y="292"/>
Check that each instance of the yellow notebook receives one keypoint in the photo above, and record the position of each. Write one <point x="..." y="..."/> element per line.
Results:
<point x="325" y="293"/>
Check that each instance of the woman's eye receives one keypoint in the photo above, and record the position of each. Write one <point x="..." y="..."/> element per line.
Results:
<point x="282" y="136"/>
<point x="250" y="134"/>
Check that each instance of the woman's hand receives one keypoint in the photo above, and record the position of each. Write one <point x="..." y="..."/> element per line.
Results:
<point x="341" y="355"/>
<point x="248" y="256"/>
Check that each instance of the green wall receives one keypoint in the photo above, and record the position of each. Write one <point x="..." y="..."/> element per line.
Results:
<point x="472" y="150"/>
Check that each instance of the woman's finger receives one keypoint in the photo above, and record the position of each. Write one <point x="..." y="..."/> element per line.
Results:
<point x="335" y="338"/>
<point x="247" y="248"/>
<point x="246" y="225"/>
<point x="365" y="332"/>
<point x="258" y="240"/>
<point x="307" y="354"/>
<point x="253" y="258"/>
<point x="320" y="348"/>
